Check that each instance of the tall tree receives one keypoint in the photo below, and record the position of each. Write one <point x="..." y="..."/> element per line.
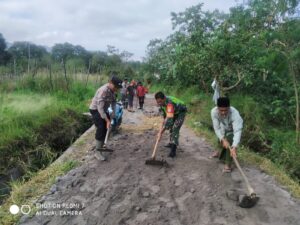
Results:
<point x="4" y="56"/>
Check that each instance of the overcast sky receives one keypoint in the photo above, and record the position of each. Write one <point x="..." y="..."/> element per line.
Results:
<point x="126" y="24"/>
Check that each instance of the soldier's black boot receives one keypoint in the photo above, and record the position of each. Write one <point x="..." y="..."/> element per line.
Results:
<point x="173" y="151"/>
<point x="169" y="145"/>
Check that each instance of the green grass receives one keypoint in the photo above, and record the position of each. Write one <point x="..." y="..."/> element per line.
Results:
<point x="30" y="108"/>
<point x="34" y="116"/>
<point x="27" y="192"/>
<point x="26" y="103"/>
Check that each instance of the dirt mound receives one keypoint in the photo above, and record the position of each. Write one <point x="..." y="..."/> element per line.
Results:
<point x="192" y="190"/>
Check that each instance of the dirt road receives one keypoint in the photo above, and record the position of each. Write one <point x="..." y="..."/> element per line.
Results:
<point x="191" y="191"/>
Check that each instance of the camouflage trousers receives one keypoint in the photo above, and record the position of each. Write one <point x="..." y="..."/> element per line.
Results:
<point x="174" y="131"/>
<point x="225" y="153"/>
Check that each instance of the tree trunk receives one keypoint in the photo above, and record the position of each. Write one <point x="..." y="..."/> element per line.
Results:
<point x="65" y="73"/>
<point x="50" y="76"/>
<point x="88" y="74"/>
<point x="204" y="86"/>
<point x="98" y="73"/>
<point x="35" y="68"/>
<point x="28" y="65"/>
<point x="297" y="120"/>
<point x="15" y="67"/>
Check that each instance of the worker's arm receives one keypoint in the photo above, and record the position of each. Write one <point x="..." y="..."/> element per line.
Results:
<point x="216" y="124"/>
<point x="169" y="120"/>
<point x="237" y="126"/>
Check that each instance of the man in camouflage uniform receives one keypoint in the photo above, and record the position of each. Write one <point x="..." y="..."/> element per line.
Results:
<point x="173" y="111"/>
<point x="104" y="96"/>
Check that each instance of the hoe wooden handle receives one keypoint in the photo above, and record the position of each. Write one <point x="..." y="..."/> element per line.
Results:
<point x="155" y="147"/>
<point x="106" y="136"/>
<point x="250" y="189"/>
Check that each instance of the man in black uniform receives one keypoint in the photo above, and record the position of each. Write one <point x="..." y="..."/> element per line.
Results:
<point x="104" y="96"/>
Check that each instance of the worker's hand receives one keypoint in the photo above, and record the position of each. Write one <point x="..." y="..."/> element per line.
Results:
<point x="225" y="143"/>
<point x="233" y="152"/>
<point x="112" y="116"/>
<point x="108" y="123"/>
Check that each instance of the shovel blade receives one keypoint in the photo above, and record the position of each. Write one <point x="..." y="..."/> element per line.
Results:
<point x="156" y="162"/>
<point x="105" y="150"/>
<point x="246" y="201"/>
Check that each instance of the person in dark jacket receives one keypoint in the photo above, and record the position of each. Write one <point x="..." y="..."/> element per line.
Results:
<point x="130" y="95"/>
<point x="104" y="97"/>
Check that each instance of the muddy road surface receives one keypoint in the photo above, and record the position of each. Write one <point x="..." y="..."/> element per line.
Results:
<point x="191" y="191"/>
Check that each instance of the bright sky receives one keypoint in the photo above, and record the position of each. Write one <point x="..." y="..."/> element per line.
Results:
<point x="126" y="24"/>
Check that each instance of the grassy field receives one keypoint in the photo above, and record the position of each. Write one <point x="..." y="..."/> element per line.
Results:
<point x="39" y="121"/>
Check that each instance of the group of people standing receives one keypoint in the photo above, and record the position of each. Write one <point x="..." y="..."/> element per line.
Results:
<point x="226" y="120"/>
<point x="131" y="89"/>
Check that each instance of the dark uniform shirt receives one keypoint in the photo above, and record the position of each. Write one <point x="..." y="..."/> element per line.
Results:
<point x="102" y="100"/>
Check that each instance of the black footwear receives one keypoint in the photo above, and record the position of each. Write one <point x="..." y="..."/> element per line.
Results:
<point x="100" y="156"/>
<point x="172" y="153"/>
<point x="169" y="145"/>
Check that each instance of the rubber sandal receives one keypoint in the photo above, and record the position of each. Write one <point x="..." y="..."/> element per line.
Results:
<point x="215" y="155"/>
<point x="226" y="170"/>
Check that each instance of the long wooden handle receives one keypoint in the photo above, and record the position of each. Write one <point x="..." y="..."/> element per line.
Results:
<point x="250" y="189"/>
<point x="106" y="136"/>
<point x="155" y="147"/>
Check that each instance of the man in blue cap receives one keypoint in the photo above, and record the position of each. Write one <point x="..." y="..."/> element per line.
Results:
<point x="104" y="97"/>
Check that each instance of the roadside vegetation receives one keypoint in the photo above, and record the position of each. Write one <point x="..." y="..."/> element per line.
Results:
<point x="37" y="125"/>
<point x="279" y="161"/>
<point x="253" y="54"/>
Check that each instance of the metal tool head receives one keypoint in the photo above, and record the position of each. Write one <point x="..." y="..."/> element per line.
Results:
<point x="246" y="201"/>
<point x="156" y="162"/>
<point x="105" y="149"/>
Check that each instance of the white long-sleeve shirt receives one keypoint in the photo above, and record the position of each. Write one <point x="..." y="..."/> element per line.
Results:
<point x="231" y="123"/>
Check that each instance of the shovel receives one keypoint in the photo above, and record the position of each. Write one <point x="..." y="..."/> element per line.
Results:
<point x="104" y="148"/>
<point x="152" y="160"/>
<point x="246" y="201"/>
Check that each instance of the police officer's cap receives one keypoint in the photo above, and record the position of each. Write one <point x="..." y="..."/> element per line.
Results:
<point x="116" y="81"/>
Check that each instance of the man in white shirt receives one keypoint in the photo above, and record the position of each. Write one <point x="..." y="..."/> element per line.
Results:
<point x="228" y="126"/>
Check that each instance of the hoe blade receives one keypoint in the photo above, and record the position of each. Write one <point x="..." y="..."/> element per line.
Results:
<point x="246" y="201"/>
<point x="156" y="162"/>
<point x="106" y="150"/>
